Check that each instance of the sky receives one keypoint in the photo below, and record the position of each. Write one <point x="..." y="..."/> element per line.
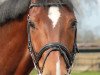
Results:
<point x="88" y="15"/>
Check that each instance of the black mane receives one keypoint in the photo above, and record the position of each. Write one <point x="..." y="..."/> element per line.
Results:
<point x="12" y="9"/>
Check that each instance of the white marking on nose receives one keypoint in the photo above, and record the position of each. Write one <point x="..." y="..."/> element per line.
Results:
<point x="39" y="74"/>
<point x="54" y="14"/>
<point x="58" y="67"/>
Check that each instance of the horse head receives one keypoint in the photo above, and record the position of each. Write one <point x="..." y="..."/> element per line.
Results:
<point x="52" y="36"/>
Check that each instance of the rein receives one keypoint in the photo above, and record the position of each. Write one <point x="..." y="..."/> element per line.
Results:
<point x="68" y="57"/>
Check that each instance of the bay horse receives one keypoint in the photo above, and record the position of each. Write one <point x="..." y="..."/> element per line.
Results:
<point x="47" y="27"/>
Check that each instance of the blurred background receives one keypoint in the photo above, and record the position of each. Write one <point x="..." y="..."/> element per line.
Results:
<point x="88" y="16"/>
<point x="87" y="62"/>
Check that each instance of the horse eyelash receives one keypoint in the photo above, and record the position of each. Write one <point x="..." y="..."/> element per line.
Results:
<point x="74" y="24"/>
<point x="32" y="25"/>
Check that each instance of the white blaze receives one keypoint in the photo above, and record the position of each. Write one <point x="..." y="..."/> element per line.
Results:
<point x="58" y="72"/>
<point x="39" y="74"/>
<point x="54" y="14"/>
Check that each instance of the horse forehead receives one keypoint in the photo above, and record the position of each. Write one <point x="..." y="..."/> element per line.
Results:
<point x="54" y="15"/>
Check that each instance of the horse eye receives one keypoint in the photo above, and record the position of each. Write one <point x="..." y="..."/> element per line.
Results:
<point x="73" y="24"/>
<point x="32" y="24"/>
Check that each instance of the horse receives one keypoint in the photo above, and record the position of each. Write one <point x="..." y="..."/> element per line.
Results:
<point x="48" y="28"/>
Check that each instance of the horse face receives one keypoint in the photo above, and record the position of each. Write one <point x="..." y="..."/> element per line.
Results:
<point x="52" y="25"/>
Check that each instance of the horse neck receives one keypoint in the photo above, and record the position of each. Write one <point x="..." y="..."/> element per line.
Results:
<point x="13" y="31"/>
<point x="13" y="45"/>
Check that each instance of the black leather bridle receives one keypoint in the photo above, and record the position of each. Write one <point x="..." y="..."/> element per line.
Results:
<point x="68" y="57"/>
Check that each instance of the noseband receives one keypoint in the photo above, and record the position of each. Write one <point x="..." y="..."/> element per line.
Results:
<point x="68" y="57"/>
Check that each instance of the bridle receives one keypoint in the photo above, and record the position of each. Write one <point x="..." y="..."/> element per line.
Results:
<point x="68" y="57"/>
